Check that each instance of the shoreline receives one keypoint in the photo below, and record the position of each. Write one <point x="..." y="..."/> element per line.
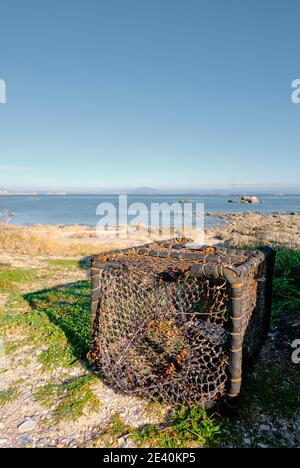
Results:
<point x="237" y="228"/>
<point x="224" y="215"/>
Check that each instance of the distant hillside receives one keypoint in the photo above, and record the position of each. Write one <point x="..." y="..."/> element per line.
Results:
<point x="143" y="191"/>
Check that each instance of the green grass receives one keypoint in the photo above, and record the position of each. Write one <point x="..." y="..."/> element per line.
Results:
<point x="70" y="399"/>
<point x="109" y="434"/>
<point x="8" y="396"/>
<point x="58" y="319"/>
<point x="10" y="348"/>
<point x="187" y="428"/>
<point x="274" y="390"/>
<point x="10" y="279"/>
<point x="16" y="303"/>
<point x="117" y="427"/>
<point x="286" y="286"/>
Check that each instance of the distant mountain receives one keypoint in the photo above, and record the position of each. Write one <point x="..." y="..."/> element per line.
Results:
<point x="143" y="191"/>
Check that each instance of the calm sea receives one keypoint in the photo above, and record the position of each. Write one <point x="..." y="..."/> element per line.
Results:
<point x="81" y="209"/>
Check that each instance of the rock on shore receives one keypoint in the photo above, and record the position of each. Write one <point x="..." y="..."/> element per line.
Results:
<point x="252" y="199"/>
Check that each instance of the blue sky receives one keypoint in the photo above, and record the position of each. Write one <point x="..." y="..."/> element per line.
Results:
<point x="161" y="93"/>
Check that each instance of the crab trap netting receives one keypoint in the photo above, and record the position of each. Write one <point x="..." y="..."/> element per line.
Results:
<point x="170" y="322"/>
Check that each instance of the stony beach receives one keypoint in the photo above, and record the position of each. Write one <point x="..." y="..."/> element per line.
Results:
<point x="248" y="228"/>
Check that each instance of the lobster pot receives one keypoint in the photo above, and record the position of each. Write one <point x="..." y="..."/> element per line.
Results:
<point x="178" y="323"/>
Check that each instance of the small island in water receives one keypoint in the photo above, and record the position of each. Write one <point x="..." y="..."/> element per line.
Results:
<point x="7" y="193"/>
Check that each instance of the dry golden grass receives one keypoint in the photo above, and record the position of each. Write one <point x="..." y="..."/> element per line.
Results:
<point x="29" y="241"/>
<point x="71" y="241"/>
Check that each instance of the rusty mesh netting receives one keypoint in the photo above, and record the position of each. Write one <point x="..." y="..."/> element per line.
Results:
<point x="160" y="332"/>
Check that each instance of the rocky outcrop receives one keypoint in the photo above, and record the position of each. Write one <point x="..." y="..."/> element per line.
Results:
<point x="276" y="229"/>
<point x="253" y="199"/>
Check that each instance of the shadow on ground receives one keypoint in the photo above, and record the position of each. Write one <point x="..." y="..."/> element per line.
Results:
<point x="67" y="307"/>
